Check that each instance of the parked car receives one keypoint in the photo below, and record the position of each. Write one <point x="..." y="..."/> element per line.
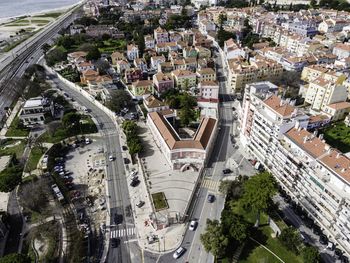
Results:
<point x="135" y="182"/>
<point x="193" y="225"/>
<point x="210" y="198"/>
<point x="227" y="171"/>
<point x="133" y="174"/>
<point x="140" y="204"/>
<point x="323" y="239"/>
<point x="179" y="252"/>
<point x="111" y="158"/>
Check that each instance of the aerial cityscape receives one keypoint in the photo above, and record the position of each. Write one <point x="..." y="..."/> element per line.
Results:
<point x="193" y="131"/>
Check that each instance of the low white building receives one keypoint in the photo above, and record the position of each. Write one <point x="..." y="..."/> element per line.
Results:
<point x="33" y="111"/>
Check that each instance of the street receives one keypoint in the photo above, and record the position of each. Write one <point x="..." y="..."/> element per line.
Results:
<point x="118" y="192"/>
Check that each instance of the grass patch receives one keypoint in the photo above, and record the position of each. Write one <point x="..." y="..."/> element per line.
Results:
<point x="12" y="146"/>
<point x="252" y="251"/>
<point x="34" y="157"/>
<point x="17" y="129"/>
<point x="338" y="136"/>
<point x="159" y="201"/>
<point x="54" y="15"/>
<point x="112" y="45"/>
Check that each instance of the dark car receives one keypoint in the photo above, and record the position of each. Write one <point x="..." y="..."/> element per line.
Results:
<point x="338" y="253"/>
<point x="227" y="171"/>
<point x="114" y="242"/>
<point x="135" y="182"/>
<point x="126" y="161"/>
<point x="210" y="198"/>
<point x="323" y="240"/>
<point x="316" y="230"/>
<point x="140" y="204"/>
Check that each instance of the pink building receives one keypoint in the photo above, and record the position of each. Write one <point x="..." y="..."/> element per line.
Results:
<point x="162" y="82"/>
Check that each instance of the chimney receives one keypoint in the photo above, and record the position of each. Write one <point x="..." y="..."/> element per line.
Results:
<point x="315" y="133"/>
<point x="338" y="155"/>
<point x="327" y="147"/>
<point x="297" y="125"/>
<point x="320" y="136"/>
<point x="305" y="139"/>
<point x="343" y="170"/>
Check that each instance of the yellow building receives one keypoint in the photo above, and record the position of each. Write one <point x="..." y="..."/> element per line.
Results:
<point x="184" y="79"/>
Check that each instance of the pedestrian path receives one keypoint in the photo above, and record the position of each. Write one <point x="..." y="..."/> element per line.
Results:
<point x="123" y="232"/>
<point x="211" y="185"/>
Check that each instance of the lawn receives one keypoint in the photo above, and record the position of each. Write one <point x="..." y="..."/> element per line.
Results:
<point x="34" y="157"/>
<point x="252" y="251"/>
<point x="112" y="45"/>
<point x="338" y="136"/>
<point x="159" y="201"/>
<point x="53" y="15"/>
<point x="16" y="129"/>
<point x="12" y="146"/>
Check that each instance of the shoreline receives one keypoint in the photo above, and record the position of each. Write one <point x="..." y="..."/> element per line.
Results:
<point x="5" y="20"/>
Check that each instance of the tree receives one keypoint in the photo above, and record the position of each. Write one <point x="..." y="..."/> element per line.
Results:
<point x="129" y="127"/>
<point x="187" y="113"/>
<point x="10" y="178"/>
<point x="93" y="54"/>
<point x="71" y="120"/>
<point x="224" y="35"/>
<point x="65" y="41"/>
<point x="213" y="239"/>
<point x="105" y="37"/>
<point x="86" y="21"/>
<point x="103" y="66"/>
<point x="310" y="254"/>
<point x="119" y="100"/>
<point x="15" y="258"/>
<point x="258" y="191"/>
<point x="52" y="127"/>
<point x="45" y="47"/>
<point x="290" y="238"/>
<point x="55" y="55"/>
<point x="235" y="225"/>
<point x="135" y="146"/>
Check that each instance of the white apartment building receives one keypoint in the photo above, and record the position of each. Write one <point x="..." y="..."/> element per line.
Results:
<point x="322" y="92"/>
<point x="132" y="52"/>
<point x="33" y="111"/>
<point x="314" y="175"/>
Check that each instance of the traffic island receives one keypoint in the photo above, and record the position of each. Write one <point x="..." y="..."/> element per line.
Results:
<point x="159" y="201"/>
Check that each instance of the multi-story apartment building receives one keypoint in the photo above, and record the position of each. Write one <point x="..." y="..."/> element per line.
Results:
<point x="149" y="42"/>
<point x="132" y="52"/>
<point x="310" y="171"/>
<point x="33" y="111"/>
<point x="322" y="92"/>
<point x="184" y="79"/>
<point x="206" y="74"/>
<point x="161" y="35"/>
<point x="162" y="82"/>
<point x="241" y="73"/>
<point x="342" y="50"/>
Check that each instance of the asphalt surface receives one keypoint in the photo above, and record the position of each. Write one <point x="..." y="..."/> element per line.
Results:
<point x="118" y="196"/>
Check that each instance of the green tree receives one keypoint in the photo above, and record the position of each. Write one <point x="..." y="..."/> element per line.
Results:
<point x="93" y="54"/>
<point x="310" y="255"/>
<point x="235" y="225"/>
<point x="129" y="127"/>
<point x="45" y="47"/>
<point x="65" y="41"/>
<point x="224" y="35"/>
<point x="15" y="258"/>
<point x="187" y="113"/>
<point x="55" y="55"/>
<point x="290" y="238"/>
<point x="135" y="146"/>
<point x="119" y="100"/>
<point x="10" y="178"/>
<point x="71" y="120"/>
<point x="258" y="191"/>
<point x="213" y="239"/>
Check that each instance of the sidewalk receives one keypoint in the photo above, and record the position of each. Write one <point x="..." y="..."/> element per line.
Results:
<point x="12" y="116"/>
<point x="150" y="239"/>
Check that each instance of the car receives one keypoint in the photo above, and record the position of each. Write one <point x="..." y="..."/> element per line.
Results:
<point x="114" y="242"/>
<point x="338" y="253"/>
<point x="179" y="252"/>
<point x="323" y="239"/>
<point x="316" y="230"/>
<point x="193" y="225"/>
<point x="133" y="174"/>
<point x="210" y="198"/>
<point x="140" y="204"/>
<point x="126" y="161"/>
<point x="227" y="171"/>
<point x="111" y="158"/>
<point x="330" y="245"/>
<point x="135" y="182"/>
<point x="344" y="259"/>
<point x="124" y="148"/>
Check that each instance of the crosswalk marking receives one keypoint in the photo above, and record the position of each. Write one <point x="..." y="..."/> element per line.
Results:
<point x="211" y="185"/>
<point x="123" y="232"/>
